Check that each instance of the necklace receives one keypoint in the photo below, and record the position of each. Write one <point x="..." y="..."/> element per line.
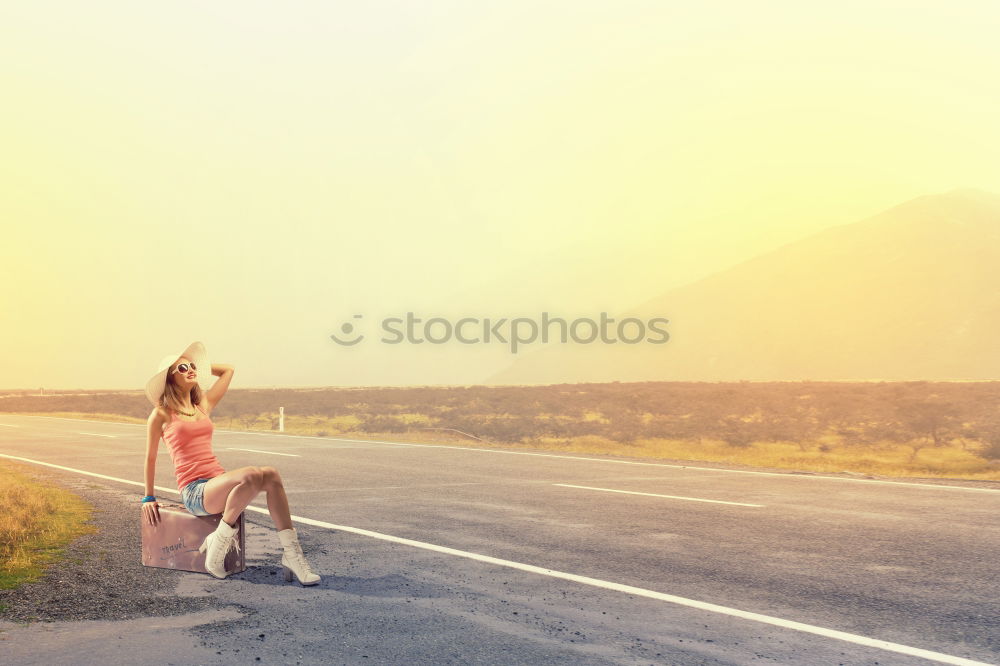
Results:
<point x="184" y="413"/>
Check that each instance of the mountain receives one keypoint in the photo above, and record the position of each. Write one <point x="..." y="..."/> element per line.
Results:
<point x="911" y="293"/>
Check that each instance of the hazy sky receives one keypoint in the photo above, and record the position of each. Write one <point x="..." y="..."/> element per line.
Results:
<point x="253" y="174"/>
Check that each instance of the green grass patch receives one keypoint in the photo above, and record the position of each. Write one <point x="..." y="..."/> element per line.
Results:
<point x="37" y="521"/>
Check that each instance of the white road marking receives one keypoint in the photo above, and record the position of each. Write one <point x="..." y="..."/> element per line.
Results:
<point x="633" y="492"/>
<point x="597" y="582"/>
<point x="96" y="434"/>
<point x="8" y="425"/>
<point x="80" y="471"/>
<point x="788" y="475"/>
<point x="273" y="453"/>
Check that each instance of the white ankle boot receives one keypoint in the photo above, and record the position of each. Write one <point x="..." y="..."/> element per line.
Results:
<point x="218" y="544"/>
<point x="294" y="561"/>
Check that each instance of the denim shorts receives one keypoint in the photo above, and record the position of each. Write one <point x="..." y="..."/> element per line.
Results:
<point x="193" y="496"/>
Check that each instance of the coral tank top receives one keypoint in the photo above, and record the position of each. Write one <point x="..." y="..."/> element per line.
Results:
<point x="190" y="446"/>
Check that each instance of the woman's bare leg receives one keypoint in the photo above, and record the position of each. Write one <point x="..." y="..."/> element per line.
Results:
<point x="231" y="493"/>
<point x="277" y="501"/>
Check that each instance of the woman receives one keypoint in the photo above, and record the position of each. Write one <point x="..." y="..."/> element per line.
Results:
<point x="181" y="417"/>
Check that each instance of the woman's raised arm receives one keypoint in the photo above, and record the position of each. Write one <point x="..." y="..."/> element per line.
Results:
<point x="224" y="372"/>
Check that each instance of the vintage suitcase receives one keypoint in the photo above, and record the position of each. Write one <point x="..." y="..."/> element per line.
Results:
<point x="173" y="543"/>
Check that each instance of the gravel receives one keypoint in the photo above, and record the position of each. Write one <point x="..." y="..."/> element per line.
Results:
<point x="100" y="575"/>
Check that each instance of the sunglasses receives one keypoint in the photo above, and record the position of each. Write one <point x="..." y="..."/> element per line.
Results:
<point x="184" y="367"/>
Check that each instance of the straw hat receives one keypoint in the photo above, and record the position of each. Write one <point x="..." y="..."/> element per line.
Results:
<point x="195" y="353"/>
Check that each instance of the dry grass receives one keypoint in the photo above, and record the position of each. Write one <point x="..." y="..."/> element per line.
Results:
<point x="884" y="459"/>
<point x="36" y="521"/>
<point x="89" y="416"/>
<point x="887" y="459"/>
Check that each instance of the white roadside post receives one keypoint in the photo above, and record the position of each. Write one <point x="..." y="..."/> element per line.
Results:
<point x="281" y="419"/>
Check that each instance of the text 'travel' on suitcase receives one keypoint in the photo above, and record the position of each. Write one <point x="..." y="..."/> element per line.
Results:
<point x="173" y="543"/>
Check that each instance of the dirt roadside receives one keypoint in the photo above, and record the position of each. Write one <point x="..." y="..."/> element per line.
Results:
<point x="100" y="576"/>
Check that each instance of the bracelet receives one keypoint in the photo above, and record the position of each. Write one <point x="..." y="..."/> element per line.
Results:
<point x="148" y="498"/>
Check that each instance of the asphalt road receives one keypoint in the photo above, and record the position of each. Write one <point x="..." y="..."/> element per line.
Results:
<point x="447" y="555"/>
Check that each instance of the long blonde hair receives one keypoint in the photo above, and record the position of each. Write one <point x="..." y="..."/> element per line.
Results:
<point x="171" y="397"/>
